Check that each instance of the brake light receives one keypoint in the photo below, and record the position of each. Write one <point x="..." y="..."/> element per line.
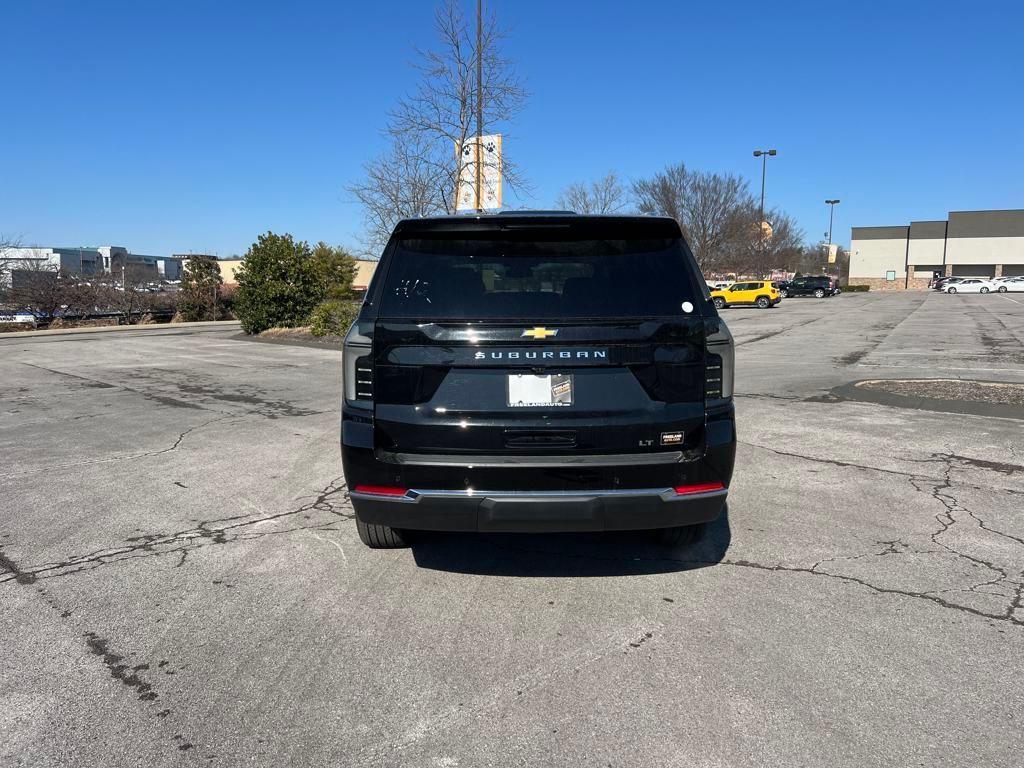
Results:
<point x="381" y="490"/>
<point x="683" y="490"/>
<point x="719" y="357"/>
<point x="358" y="367"/>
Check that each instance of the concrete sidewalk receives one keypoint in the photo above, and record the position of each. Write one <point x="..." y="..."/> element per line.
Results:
<point x="222" y="324"/>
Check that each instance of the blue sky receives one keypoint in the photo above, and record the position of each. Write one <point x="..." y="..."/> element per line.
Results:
<point x="194" y="126"/>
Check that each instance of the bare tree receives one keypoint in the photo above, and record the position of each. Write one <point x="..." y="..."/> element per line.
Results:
<point x="758" y="252"/>
<point x="126" y="292"/>
<point x="36" y="287"/>
<point x="663" y="194"/>
<point x="401" y="184"/>
<point x="603" y="196"/>
<point x="713" y="215"/>
<point x="418" y="174"/>
<point x="710" y="208"/>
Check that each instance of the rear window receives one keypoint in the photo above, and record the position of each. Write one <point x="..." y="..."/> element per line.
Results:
<point x="500" y="277"/>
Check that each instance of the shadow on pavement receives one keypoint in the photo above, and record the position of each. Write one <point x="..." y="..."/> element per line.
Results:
<point x="630" y="553"/>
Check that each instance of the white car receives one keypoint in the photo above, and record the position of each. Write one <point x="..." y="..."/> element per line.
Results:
<point x="971" y="285"/>
<point x="18" y="318"/>
<point x="1011" y="285"/>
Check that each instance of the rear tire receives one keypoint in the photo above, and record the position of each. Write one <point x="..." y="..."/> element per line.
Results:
<point x="763" y="302"/>
<point x="1002" y="289"/>
<point x="681" y="536"/>
<point x="380" y="536"/>
<point x="984" y="290"/>
<point x="819" y="294"/>
<point x="951" y="290"/>
<point x="783" y="293"/>
<point x="719" y="302"/>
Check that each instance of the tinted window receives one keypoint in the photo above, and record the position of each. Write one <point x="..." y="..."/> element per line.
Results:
<point x="496" y="276"/>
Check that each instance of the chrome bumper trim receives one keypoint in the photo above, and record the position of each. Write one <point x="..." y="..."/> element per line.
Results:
<point x="413" y="495"/>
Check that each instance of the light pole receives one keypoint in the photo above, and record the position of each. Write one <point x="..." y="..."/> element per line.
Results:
<point x="479" y="105"/>
<point x="764" y="155"/>
<point x="831" y="211"/>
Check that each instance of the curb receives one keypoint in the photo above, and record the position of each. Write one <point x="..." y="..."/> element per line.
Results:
<point x="225" y="324"/>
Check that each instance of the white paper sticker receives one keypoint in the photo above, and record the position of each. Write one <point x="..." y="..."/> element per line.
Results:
<point x="527" y="390"/>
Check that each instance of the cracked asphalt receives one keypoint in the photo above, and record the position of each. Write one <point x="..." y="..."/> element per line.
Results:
<point x="181" y="582"/>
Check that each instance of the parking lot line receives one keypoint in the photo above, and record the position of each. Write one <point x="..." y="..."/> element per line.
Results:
<point x="1009" y="299"/>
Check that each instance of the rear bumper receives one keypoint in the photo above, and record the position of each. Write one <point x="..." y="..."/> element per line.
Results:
<point x="543" y="511"/>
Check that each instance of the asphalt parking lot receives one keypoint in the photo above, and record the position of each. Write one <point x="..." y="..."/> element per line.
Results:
<point x="181" y="582"/>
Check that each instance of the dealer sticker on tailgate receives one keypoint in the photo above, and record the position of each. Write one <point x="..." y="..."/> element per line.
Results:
<point x="527" y="390"/>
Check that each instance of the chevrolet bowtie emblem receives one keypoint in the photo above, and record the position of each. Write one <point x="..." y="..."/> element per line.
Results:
<point x="539" y="333"/>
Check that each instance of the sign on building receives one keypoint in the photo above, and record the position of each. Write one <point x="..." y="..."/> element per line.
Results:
<point x="485" y="151"/>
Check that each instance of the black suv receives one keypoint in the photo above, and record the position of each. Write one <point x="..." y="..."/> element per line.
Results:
<point x="537" y="373"/>
<point x="818" y="286"/>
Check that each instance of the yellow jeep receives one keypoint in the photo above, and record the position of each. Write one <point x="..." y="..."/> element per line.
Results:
<point x="758" y="293"/>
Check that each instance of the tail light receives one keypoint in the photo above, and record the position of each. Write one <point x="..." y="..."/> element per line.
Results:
<point x="720" y="361"/>
<point x="358" y="366"/>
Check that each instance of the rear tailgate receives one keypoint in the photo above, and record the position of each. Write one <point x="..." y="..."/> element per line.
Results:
<point x="583" y="338"/>
<point x="482" y="389"/>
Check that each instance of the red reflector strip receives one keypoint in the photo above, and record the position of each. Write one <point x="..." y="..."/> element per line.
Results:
<point x="381" y="490"/>
<point x="698" y="488"/>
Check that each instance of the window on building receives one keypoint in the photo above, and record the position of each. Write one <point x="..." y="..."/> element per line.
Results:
<point x="890" y="274"/>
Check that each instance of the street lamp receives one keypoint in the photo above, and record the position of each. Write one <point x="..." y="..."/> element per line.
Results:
<point x="831" y="210"/>
<point x="764" y="155"/>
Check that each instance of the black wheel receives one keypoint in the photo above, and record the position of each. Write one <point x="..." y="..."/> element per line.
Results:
<point x="763" y="302"/>
<point x="819" y="294"/>
<point x="380" y="536"/>
<point x="984" y="290"/>
<point x="1002" y="289"/>
<point x="719" y="302"/>
<point x="951" y="290"/>
<point x="681" y="536"/>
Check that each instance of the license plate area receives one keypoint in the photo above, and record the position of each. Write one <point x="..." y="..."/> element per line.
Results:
<point x="549" y="390"/>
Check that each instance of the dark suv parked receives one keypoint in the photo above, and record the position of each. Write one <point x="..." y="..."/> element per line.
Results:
<point x="818" y="286"/>
<point x="537" y="373"/>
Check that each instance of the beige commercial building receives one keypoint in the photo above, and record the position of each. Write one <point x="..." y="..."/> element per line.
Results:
<point x="364" y="272"/>
<point x="966" y="244"/>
